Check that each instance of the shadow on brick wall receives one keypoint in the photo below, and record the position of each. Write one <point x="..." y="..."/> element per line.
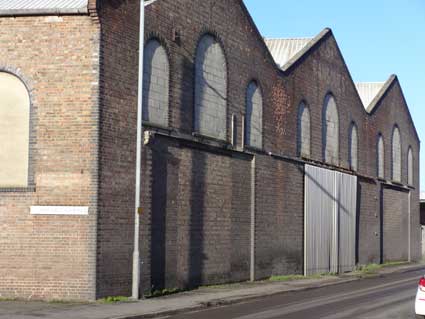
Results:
<point x="196" y="227"/>
<point x="159" y="208"/>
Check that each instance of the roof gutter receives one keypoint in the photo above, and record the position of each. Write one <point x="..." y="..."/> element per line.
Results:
<point x="39" y="12"/>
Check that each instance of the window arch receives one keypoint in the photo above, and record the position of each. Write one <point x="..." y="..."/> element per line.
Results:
<point x="210" y="88"/>
<point x="14" y="131"/>
<point x="330" y="122"/>
<point x="354" y="145"/>
<point x="156" y="78"/>
<point x="254" y="115"/>
<point x="304" y="132"/>
<point x="410" y="166"/>
<point x="396" y="155"/>
<point x="380" y="157"/>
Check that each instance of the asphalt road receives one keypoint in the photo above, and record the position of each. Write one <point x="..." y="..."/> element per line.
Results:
<point x="391" y="296"/>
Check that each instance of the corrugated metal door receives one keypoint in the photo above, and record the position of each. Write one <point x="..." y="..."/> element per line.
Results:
<point x="330" y="221"/>
<point x="318" y="219"/>
<point x="347" y="208"/>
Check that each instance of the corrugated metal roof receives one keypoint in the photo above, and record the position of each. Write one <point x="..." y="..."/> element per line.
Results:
<point x="27" y="7"/>
<point x="372" y="93"/>
<point x="368" y="91"/>
<point x="284" y="50"/>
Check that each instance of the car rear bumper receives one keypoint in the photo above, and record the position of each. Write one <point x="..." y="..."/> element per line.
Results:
<point x="420" y="303"/>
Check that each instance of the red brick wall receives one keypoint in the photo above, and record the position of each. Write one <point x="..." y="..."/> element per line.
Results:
<point x="395" y="225"/>
<point x="368" y="218"/>
<point x="321" y="71"/>
<point x="53" y="257"/>
<point x="118" y="116"/>
<point x="170" y="199"/>
<point x="196" y="193"/>
<point x="196" y="228"/>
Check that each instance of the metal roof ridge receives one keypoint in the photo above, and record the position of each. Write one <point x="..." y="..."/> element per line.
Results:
<point x="369" y="82"/>
<point x="298" y="38"/>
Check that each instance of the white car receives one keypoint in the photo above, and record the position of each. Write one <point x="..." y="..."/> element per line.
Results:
<point x="420" y="299"/>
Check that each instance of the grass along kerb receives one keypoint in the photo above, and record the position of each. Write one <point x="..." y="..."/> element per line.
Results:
<point x="372" y="269"/>
<point x="114" y="299"/>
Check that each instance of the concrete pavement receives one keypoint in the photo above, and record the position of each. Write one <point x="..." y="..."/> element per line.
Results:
<point x="183" y="302"/>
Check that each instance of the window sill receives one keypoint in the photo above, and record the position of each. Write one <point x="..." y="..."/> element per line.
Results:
<point x="211" y="138"/>
<point x="156" y="126"/>
<point x="253" y="148"/>
<point x="28" y="189"/>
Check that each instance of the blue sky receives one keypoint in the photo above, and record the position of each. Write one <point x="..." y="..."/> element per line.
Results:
<point x="376" y="37"/>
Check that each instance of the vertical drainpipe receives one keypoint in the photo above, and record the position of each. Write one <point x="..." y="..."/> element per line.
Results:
<point x="252" y="250"/>
<point x="137" y="209"/>
<point x="409" y="230"/>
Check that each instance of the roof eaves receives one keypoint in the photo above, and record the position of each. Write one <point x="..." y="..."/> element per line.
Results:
<point x="149" y="2"/>
<point x="310" y="45"/>
<point x="372" y="105"/>
<point x="375" y="102"/>
<point x="258" y="34"/>
<point x="408" y="110"/>
<point x="37" y="12"/>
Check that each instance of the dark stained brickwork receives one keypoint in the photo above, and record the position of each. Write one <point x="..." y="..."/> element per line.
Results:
<point x="202" y="198"/>
<point x="198" y="225"/>
<point x="118" y="116"/>
<point x="368" y="222"/>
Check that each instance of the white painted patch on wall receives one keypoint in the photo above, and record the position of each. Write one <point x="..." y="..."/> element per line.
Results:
<point x="53" y="19"/>
<point x="59" y="210"/>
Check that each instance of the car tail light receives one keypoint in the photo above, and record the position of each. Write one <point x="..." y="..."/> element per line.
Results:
<point x="422" y="284"/>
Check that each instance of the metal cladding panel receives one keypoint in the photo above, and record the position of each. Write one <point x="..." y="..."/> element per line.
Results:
<point x="330" y="221"/>
<point x="319" y="215"/>
<point x="347" y="208"/>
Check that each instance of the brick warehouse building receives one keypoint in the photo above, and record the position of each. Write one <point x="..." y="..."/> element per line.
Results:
<point x="260" y="157"/>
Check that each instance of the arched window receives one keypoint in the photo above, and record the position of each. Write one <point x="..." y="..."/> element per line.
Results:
<point x="380" y="158"/>
<point x="303" y="130"/>
<point x="354" y="144"/>
<point x="330" y="131"/>
<point x="396" y="155"/>
<point x="156" y="77"/>
<point x="254" y="116"/>
<point x="210" y="89"/>
<point x="410" y="166"/>
<point x="14" y="131"/>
